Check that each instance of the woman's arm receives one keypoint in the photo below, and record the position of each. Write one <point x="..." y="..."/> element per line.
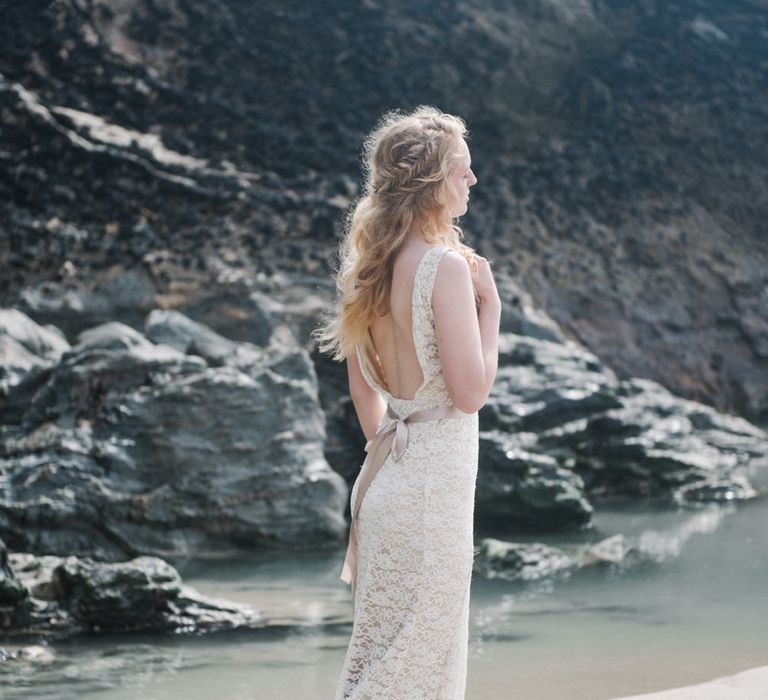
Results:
<point x="369" y="404"/>
<point x="489" y="321"/>
<point x="467" y="337"/>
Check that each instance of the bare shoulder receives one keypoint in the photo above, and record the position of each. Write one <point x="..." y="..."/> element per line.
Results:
<point x="453" y="281"/>
<point x="451" y="267"/>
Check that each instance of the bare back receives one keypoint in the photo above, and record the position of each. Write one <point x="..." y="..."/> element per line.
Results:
<point x="392" y="334"/>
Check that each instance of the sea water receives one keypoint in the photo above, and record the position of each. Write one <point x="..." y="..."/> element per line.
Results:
<point x="699" y="610"/>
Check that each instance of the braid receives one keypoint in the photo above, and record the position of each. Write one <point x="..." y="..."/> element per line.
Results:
<point x="410" y="160"/>
<point x="407" y="160"/>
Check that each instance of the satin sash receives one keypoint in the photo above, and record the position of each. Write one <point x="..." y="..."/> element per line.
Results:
<point x="390" y="438"/>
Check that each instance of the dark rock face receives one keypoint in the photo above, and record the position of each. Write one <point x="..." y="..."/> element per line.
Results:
<point x="523" y="490"/>
<point x="128" y="447"/>
<point x="104" y="596"/>
<point x="560" y="429"/>
<point x="657" y="443"/>
<point x="66" y="596"/>
<point x="152" y="149"/>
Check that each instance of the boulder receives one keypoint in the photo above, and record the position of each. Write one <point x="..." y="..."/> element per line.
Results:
<point x="130" y="447"/>
<point x="522" y="490"/>
<point x="187" y="336"/>
<point x="561" y="433"/>
<point x="515" y="561"/>
<point x="119" y="596"/>
<point x="557" y="412"/>
<point x="717" y="490"/>
<point x="657" y="444"/>
<point x="11" y="589"/>
<point x="122" y="292"/>
<point x="90" y="380"/>
<point x="532" y="561"/>
<point x="65" y="596"/>
<point x="345" y="441"/>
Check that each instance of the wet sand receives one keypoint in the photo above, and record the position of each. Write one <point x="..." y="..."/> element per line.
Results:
<point x="751" y="684"/>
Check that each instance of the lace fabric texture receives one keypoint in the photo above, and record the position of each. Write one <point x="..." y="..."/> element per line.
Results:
<point x="415" y="541"/>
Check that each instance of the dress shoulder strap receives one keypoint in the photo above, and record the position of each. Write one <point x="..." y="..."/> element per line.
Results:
<point x="423" y="317"/>
<point x="426" y="272"/>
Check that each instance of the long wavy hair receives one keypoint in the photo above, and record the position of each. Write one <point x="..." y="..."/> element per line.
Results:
<point x="407" y="159"/>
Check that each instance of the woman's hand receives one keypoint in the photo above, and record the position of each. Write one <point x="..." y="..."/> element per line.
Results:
<point x="482" y="279"/>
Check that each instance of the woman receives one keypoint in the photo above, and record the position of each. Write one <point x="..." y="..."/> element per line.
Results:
<point x="418" y="324"/>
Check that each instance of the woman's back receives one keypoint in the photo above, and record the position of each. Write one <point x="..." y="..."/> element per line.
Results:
<point x="393" y="334"/>
<point x="414" y="352"/>
<point x="427" y="321"/>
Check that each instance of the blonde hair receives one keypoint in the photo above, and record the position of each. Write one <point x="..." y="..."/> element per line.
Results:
<point x="407" y="159"/>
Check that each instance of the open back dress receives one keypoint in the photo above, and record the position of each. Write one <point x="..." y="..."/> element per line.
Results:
<point x="415" y="540"/>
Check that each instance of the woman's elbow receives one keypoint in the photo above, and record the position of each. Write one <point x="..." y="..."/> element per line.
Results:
<point x="469" y="399"/>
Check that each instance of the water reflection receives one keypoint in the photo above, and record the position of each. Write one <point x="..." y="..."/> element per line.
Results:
<point x="661" y="545"/>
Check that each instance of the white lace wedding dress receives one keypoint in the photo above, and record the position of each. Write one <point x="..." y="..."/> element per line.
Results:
<point x="415" y="541"/>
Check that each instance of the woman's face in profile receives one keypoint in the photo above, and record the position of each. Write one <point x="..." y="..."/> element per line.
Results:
<point x="459" y="181"/>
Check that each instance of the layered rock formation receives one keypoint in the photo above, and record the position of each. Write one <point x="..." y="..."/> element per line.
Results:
<point x="192" y="446"/>
<point x="181" y="442"/>
<point x="561" y="429"/>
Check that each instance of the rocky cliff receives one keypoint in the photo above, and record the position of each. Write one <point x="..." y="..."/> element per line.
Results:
<point x="153" y="148"/>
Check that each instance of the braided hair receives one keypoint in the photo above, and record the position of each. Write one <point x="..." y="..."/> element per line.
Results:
<point x="407" y="160"/>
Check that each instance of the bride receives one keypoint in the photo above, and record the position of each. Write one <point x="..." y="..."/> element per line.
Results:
<point x="417" y="321"/>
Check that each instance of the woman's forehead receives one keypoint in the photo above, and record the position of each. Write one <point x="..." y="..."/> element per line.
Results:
<point x="461" y="153"/>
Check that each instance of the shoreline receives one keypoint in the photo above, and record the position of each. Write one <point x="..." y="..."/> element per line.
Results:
<point x="751" y="684"/>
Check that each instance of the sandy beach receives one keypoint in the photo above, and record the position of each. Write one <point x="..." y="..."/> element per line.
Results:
<point x="751" y="684"/>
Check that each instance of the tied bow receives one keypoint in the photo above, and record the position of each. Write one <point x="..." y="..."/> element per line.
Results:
<point x="391" y="436"/>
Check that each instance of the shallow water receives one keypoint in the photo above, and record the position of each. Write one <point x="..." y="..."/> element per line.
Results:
<point x="601" y="633"/>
